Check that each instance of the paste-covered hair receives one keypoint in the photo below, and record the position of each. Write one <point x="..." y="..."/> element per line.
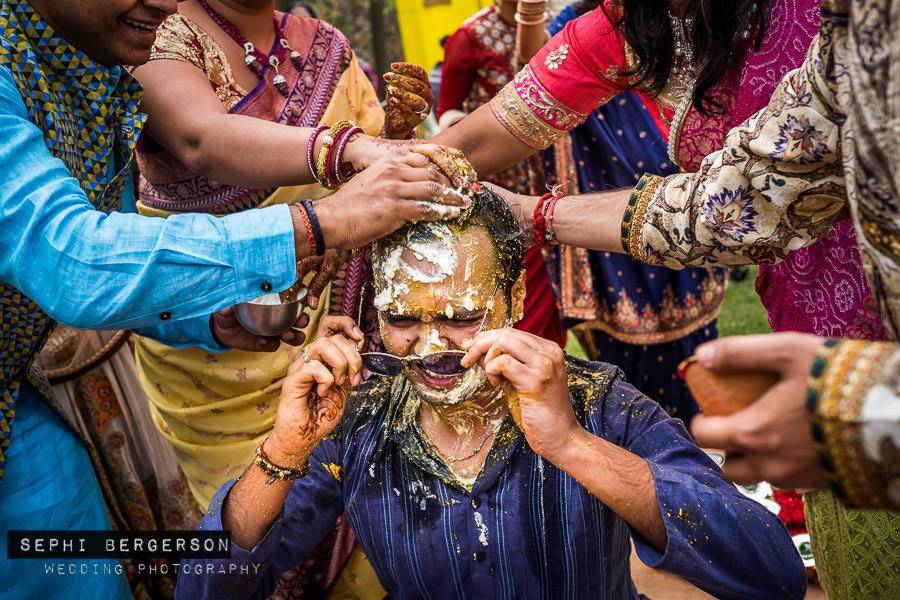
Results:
<point x="488" y="210"/>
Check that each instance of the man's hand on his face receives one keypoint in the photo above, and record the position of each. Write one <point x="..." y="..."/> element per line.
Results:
<point x="315" y="393"/>
<point x="229" y="332"/>
<point x="770" y="440"/>
<point x="533" y="372"/>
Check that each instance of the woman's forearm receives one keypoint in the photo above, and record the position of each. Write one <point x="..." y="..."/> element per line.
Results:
<point x="619" y="479"/>
<point x="245" y="151"/>
<point x="592" y="221"/>
<point x="228" y="148"/>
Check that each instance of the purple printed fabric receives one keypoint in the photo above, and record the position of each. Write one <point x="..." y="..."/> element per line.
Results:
<point x="822" y="289"/>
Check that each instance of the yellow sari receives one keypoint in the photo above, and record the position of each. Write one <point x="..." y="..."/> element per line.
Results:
<point x="215" y="409"/>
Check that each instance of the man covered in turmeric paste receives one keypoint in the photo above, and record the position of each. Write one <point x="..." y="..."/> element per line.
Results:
<point x="479" y="461"/>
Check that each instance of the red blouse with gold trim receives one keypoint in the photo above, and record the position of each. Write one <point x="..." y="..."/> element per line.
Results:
<point x="579" y="69"/>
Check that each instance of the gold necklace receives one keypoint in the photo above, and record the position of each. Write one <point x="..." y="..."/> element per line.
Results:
<point x="450" y="459"/>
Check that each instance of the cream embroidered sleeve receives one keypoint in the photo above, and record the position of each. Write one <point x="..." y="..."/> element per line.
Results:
<point x="777" y="185"/>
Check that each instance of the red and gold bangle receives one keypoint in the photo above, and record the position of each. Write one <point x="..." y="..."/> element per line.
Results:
<point x="328" y="143"/>
<point x="340" y="146"/>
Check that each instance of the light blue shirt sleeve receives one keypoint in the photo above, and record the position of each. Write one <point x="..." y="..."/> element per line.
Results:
<point x="90" y="270"/>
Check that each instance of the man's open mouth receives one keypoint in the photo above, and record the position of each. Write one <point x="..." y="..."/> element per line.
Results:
<point x="434" y="380"/>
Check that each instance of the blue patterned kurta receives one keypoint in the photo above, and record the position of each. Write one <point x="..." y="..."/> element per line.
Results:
<point x="648" y="318"/>
<point x="527" y="529"/>
<point x="67" y="131"/>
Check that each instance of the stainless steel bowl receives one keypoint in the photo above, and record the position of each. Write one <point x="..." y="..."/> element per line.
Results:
<point x="269" y="320"/>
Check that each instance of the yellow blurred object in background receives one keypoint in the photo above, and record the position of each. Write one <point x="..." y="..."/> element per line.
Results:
<point x="424" y="22"/>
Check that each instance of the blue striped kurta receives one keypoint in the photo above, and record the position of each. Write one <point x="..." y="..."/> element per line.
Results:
<point x="527" y="529"/>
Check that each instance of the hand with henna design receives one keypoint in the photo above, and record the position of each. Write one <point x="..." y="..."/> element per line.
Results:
<point x="313" y="397"/>
<point x="325" y="268"/>
<point x="452" y="163"/>
<point x="409" y="100"/>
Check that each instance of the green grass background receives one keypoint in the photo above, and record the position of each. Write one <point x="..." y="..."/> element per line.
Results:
<point x="742" y="313"/>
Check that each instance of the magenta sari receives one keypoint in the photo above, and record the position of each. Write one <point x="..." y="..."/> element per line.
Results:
<point x="820" y="289"/>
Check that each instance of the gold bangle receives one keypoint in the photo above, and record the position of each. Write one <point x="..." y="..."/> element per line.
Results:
<point x="544" y="18"/>
<point x="327" y="141"/>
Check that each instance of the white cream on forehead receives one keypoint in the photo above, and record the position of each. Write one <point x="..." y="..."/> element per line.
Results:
<point x="440" y="254"/>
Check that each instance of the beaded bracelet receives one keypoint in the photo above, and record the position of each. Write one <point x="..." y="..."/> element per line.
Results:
<point x="311" y="151"/>
<point x="322" y="166"/>
<point x="314" y="223"/>
<point x="549" y="209"/>
<point x="277" y="473"/>
<point x="339" y="153"/>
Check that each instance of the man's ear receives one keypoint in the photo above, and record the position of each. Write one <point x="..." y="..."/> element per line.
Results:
<point x="517" y="310"/>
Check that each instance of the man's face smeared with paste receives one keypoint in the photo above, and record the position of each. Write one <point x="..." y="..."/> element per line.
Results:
<point x="432" y="296"/>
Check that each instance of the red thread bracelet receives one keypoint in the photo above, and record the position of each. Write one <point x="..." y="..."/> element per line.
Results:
<point x="310" y="235"/>
<point x="537" y="220"/>
<point x="549" y="233"/>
